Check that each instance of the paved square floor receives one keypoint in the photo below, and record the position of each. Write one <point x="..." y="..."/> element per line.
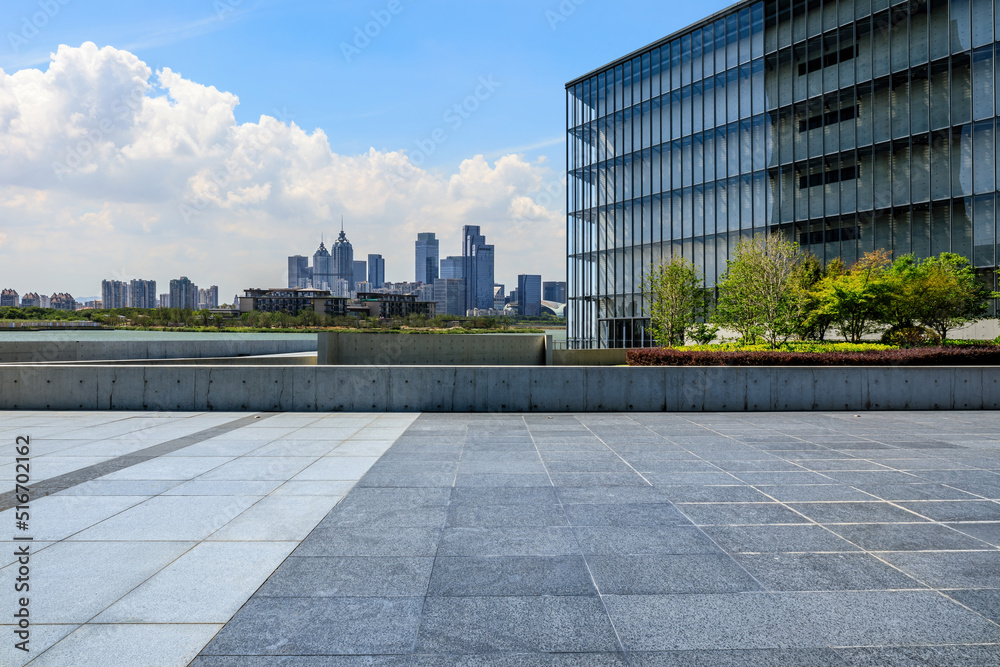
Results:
<point x="592" y="539"/>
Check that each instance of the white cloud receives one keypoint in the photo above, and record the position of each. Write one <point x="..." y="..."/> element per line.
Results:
<point x="104" y="164"/>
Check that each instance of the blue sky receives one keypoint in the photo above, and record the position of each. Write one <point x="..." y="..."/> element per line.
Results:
<point x="286" y="59"/>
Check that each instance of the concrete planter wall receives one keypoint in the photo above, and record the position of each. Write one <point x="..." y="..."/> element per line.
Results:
<point x="497" y="389"/>
<point x="109" y="350"/>
<point x="375" y="349"/>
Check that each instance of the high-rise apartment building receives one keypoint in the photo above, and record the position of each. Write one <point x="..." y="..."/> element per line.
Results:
<point x="529" y="295"/>
<point x="31" y="300"/>
<point x="846" y="126"/>
<point x="142" y="294"/>
<point x="114" y="294"/>
<point x="343" y="261"/>
<point x="554" y="291"/>
<point x="478" y="272"/>
<point x="427" y="257"/>
<point x="376" y="271"/>
<point x="8" y="298"/>
<point x="163" y="301"/>
<point x="208" y="298"/>
<point x="299" y="273"/>
<point x="62" y="301"/>
<point x="183" y="294"/>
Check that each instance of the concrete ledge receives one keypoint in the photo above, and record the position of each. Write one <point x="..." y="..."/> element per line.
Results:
<point x="496" y="389"/>
<point x="601" y="357"/>
<point x="383" y="349"/>
<point x="108" y="350"/>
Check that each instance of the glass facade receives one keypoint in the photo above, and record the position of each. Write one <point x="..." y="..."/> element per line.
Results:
<point x="847" y="125"/>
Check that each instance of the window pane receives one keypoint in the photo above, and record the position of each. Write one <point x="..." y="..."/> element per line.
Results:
<point x="984" y="231"/>
<point x="983" y="150"/>
<point x="982" y="83"/>
<point x="961" y="28"/>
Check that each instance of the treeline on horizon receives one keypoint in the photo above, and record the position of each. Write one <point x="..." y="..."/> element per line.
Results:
<point x="143" y="318"/>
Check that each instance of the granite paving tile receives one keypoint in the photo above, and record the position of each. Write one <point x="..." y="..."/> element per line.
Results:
<point x="511" y="576"/>
<point x="555" y="624"/>
<point x="889" y="618"/>
<point x="824" y="572"/>
<point x="669" y="574"/>
<point x="509" y="541"/>
<point x="321" y="626"/>
<point x="350" y="577"/>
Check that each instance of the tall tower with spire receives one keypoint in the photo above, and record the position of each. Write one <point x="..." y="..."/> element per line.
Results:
<point x="322" y="273"/>
<point x="343" y="260"/>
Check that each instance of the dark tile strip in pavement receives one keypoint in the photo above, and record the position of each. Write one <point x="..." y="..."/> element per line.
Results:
<point x="47" y="487"/>
<point x="544" y="541"/>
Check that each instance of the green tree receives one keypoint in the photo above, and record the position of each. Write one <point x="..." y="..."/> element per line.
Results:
<point x="676" y="294"/>
<point x="948" y="294"/>
<point x="903" y="285"/>
<point x="856" y="300"/>
<point x="757" y="295"/>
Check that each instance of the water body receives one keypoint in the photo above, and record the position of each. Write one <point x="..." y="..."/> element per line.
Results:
<point x="130" y="336"/>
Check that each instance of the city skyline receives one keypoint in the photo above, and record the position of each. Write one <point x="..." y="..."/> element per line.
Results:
<point x="138" y="135"/>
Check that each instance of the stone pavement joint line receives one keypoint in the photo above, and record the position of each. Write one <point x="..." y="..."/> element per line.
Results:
<point x="53" y="485"/>
<point x="642" y="539"/>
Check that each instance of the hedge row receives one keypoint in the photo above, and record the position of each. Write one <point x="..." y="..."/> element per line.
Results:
<point x="985" y="355"/>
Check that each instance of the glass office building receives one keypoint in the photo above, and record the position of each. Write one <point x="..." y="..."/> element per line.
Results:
<point x="848" y="126"/>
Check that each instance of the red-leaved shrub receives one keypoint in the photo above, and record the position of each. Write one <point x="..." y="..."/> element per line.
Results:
<point x="965" y="355"/>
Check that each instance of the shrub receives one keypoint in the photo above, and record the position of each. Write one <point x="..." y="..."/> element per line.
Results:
<point x="987" y="355"/>
<point x="804" y="346"/>
<point x="703" y="333"/>
<point x="911" y="336"/>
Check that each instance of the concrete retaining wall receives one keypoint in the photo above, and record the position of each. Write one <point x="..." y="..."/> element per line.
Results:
<point x="374" y="349"/>
<point x="496" y="389"/>
<point x="589" y="357"/>
<point x="108" y="350"/>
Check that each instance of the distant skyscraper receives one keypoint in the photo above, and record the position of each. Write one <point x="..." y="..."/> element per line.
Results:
<point x="183" y="294"/>
<point x="164" y="301"/>
<point x="453" y="267"/>
<point x="114" y="294"/>
<point x="478" y="268"/>
<point x="142" y="294"/>
<point x="428" y="256"/>
<point x="343" y="259"/>
<point x="31" y="300"/>
<point x="449" y="296"/>
<point x="499" y="300"/>
<point x="8" y="297"/>
<point x="322" y="270"/>
<point x="298" y="271"/>
<point x="360" y="272"/>
<point x="376" y="271"/>
<point x="529" y="295"/>
<point x="554" y="291"/>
